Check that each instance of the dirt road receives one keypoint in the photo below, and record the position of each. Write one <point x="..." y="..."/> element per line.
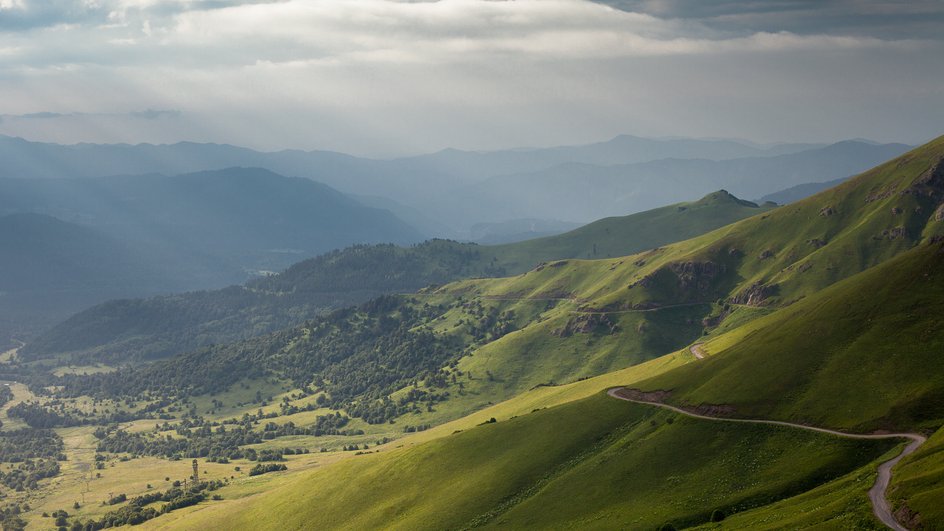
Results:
<point x="880" y="504"/>
<point x="697" y="351"/>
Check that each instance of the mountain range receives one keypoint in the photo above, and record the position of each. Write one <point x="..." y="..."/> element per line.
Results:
<point x="716" y="363"/>
<point x="450" y="191"/>
<point x="129" y="330"/>
<point x="72" y="243"/>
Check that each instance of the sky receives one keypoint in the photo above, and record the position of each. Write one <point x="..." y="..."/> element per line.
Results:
<point x="387" y="77"/>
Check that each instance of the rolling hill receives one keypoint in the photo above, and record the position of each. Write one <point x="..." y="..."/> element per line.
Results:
<point x="165" y="325"/>
<point x="859" y="353"/>
<point x="592" y="464"/>
<point x="572" y="319"/>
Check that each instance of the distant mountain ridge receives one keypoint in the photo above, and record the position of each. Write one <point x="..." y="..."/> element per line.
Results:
<point x="224" y="222"/>
<point x="50" y="269"/>
<point x="143" y="235"/>
<point x="590" y="190"/>
<point x="458" y="189"/>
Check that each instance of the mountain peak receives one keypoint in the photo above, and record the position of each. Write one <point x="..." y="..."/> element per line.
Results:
<point x="722" y="197"/>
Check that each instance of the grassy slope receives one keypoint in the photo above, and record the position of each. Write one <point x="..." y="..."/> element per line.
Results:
<point x="792" y="251"/>
<point x="918" y="483"/>
<point x="536" y="355"/>
<point x="839" y="504"/>
<point x="621" y="236"/>
<point x="862" y="354"/>
<point x="569" y="465"/>
<point x="540" y="354"/>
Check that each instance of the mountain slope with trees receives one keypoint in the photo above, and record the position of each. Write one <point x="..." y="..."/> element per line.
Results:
<point x="147" y="329"/>
<point x="859" y="354"/>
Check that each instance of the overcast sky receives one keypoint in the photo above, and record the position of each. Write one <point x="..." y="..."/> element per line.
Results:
<point x="386" y="77"/>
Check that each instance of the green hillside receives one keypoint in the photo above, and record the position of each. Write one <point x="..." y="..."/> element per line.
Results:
<point x="862" y="354"/>
<point x="853" y="350"/>
<point x="593" y="464"/>
<point x="130" y="330"/>
<point x="767" y="260"/>
<point x="857" y="355"/>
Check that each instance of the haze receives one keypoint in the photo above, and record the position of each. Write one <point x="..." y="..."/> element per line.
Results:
<point x="380" y="77"/>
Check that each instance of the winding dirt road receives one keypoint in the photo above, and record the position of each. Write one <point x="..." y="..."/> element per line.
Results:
<point x="880" y="506"/>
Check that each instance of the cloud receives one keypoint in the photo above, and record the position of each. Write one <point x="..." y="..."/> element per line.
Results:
<point x="384" y="75"/>
<point x="888" y="19"/>
<point x="331" y="32"/>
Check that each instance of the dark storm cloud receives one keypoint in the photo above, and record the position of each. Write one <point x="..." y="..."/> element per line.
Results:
<point x="877" y="18"/>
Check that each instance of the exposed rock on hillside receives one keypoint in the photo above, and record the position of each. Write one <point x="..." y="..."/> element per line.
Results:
<point x="930" y="183"/>
<point x="755" y="294"/>
<point x="696" y="275"/>
<point x="892" y="234"/>
<point x="588" y="324"/>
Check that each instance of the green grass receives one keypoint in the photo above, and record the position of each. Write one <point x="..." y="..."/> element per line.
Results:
<point x="862" y="354"/>
<point x="839" y="504"/>
<point x="625" y="235"/>
<point x="585" y="464"/>
<point x="918" y="482"/>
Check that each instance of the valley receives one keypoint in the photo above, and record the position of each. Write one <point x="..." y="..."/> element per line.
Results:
<point x="753" y="338"/>
<point x="439" y="265"/>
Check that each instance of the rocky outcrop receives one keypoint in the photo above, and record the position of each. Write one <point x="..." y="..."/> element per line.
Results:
<point x="697" y="276"/>
<point x="690" y="276"/>
<point x="767" y="253"/>
<point x="884" y="193"/>
<point x="816" y="243"/>
<point x="712" y="321"/>
<point x="655" y="397"/>
<point x="756" y="294"/>
<point x="939" y="213"/>
<point x="896" y="211"/>
<point x="908" y="518"/>
<point x="587" y="324"/>
<point x="827" y="211"/>
<point x="894" y="233"/>
<point x="930" y="183"/>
